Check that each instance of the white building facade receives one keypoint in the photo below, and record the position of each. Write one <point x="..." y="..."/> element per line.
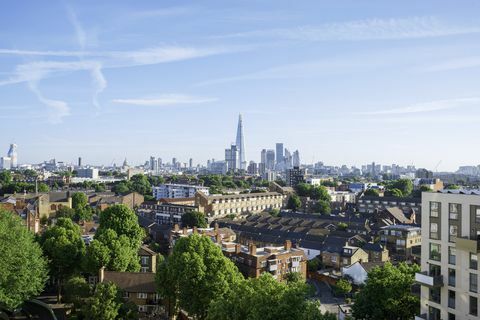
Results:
<point x="177" y="191"/>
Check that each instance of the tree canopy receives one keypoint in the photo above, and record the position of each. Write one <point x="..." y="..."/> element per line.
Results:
<point x="196" y="273"/>
<point x="294" y="202"/>
<point x="104" y="304"/>
<point x="387" y="294"/>
<point x="23" y="269"/>
<point x="371" y="193"/>
<point x="314" y="192"/>
<point x="192" y="219"/>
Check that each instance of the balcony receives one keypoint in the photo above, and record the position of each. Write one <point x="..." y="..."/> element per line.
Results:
<point x="430" y="281"/>
<point x="421" y="317"/>
<point x="468" y="244"/>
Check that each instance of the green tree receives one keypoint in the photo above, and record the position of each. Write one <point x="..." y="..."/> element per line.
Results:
<point x="342" y="226"/>
<point x="5" y="177"/>
<point x="123" y="221"/>
<point x="121" y="188"/>
<point x="79" y="200"/>
<point x="192" y="219"/>
<point x="405" y="186"/>
<point x="104" y="304"/>
<point x="141" y="184"/>
<point x="23" y="269"/>
<point x="42" y="187"/>
<point x="323" y="207"/>
<point x="294" y="202"/>
<point x="394" y="192"/>
<point x="65" y="212"/>
<point x="371" y="193"/>
<point x="452" y="187"/>
<point x="64" y="247"/>
<point x="387" y="294"/>
<point x="196" y="273"/>
<point x="275" y="212"/>
<point x="76" y="291"/>
<point x="320" y="193"/>
<point x="342" y="287"/>
<point x="313" y="265"/>
<point x="304" y="189"/>
<point x="266" y="298"/>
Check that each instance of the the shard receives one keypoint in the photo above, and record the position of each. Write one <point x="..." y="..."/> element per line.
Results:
<point x="240" y="142"/>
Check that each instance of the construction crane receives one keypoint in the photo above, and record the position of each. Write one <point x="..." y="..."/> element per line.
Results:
<point x="436" y="167"/>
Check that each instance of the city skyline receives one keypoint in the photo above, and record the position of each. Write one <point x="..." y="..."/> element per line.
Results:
<point x="348" y="82"/>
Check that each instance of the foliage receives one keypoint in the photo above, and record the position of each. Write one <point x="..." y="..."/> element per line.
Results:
<point x="313" y="265"/>
<point x="314" y="192"/>
<point x="79" y="200"/>
<point x="266" y="298"/>
<point x="342" y="226"/>
<point x="275" y="212"/>
<point x="323" y="207"/>
<point x="452" y="187"/>
<point x="65" y="212"/>
<point x="294" y="202"/>
<point x="5" y="177"/>
<point x="64" y="247"/>
<point x="387" y="294"/>
<point x="394" y="193"/>
<point x="23" y="269"/>
<point x="104" y="304"/>
<point x="76" y="291"/>
<point x="371" y="193"/>
<point x="342" y="287"/>
<point x="140" y="184"/>
<point x="399" y="188"/>
<point x="42" y="187"/>
<point x="196" y="273"/>
<point x="192" y="219"/>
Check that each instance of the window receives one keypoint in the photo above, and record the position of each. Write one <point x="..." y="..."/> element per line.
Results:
<point x="451" y="299"/>
<point x="473" y="306"/>
<point x="473" y="261"/>
<point x="435" y="252"/>
<point x="334" y="259"/>
<point x="433" y="313"/>
<point x="144" y="269"/>
<point x="477" y="215"/>
<point x="433" y="230"/>
<point x="451" y="277"/>
<point x="141" y="295"/>
<point x="451" y="316"/>
<point x="435" y="295"/>
<point x="453" y="211"/>
<point x="434" y="209"/>
<point x="473" y="282"/>
<point x="452" y="235"/>
<point x="452" y="255"/>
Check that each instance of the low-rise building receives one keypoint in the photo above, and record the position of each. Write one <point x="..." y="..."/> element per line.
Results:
<point x="337" y="252"/>
<point x="401" y="240"/>
<point x="170" y="190"/>
<point x="148" y="259"/>
<point x="167" y="212"/>
<point x="368" y="204"/>
<point x="278" y="261"/>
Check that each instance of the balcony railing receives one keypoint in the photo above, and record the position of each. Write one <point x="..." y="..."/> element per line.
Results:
<point x="429" y="280"/>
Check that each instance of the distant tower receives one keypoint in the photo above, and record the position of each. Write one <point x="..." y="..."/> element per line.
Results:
<point x="79" y="162"/>
<point x="125" y="163"/>
<point x="12" y="154"/>
<point x="296" y="158"/>
<point x="241" y="145"/>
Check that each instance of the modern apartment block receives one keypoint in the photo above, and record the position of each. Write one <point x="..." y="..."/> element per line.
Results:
<point x="450" y="246"/>
<point x="170" y="190"/>
<point x="219" y="206"/>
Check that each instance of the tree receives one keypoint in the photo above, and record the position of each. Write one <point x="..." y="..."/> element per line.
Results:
<point x="141" y="184"/>
<point x="23" y="269"/>
<point x="5" y="177"/>
<point x="394" y="192"/>
<point x="294" y="202"/>
<point x="76" y="291"/>
<point x="64" y="247"/>
<point x="320" y="193"/>
<point x="405" y="186"/>
<point x="42" y="187"/>
<point x="194" y="219"/>
<point x="452" y="187"/>
<point x="387" y="294"/>
<point x="123" y="221"/>
<point x="266" y="298"/>
<point x="79" y="200"/>
<point x="303" y="189"/>
<point x="65" y="212"/>
<point x="342" y="287"/>
<point x="342" y="226"/>
<point x="275" y="212"/>
<point x="323" y="207"/>
<point x="121" y="188"/>
<point x="371" y="193"/>
<point x="195" y="273"/>
<point x="313" y="265"/>
<point x="104" y="304"/>
<point x="84" y="214"/>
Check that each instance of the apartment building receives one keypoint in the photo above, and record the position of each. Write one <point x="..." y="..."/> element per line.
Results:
<point x="279" y="261"/>
<point x="171" y="190"/>
<point x="401" y="240"/>
<point x="370" y="204"/>
<point x="218" y="206"/>
<point x="450" y="246"/>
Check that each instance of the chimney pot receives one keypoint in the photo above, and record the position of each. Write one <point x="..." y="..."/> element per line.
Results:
<point x="288" y="245"/>
<point x="253" y="249"/>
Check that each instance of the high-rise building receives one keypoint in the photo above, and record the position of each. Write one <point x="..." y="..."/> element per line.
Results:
<point x="263" y="156"/>
<point x="153" y="164"/>
<point x="231" y="157"/>
<point x="270" y="159"/>
<point x="79" y="162"/>
<point x="240" y="142"/>
<point x="295" y="176"/>
<point x="449" y="256"/>
<point x="279" y="153"/>
<point x="12" y="154"/>
<point x="190" y="163"/>
<point x="288" y="159"/>
<point x="5" y="163"/>
<point x="296" y="158"/>
<point x="252" y="168"/>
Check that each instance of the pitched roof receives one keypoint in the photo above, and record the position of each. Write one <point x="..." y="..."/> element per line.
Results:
<point x="398" y="214"/>
<point x="132" y="281"/>
<point x="373" y="247"/>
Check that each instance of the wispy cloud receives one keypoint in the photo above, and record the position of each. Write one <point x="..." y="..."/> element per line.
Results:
<point x="58" y="108"/>
<point x="164" y="12"/>
<point x="166" y="100"/>
<point x="369" y="29"/>
<point x="428" y="106"/>
<point x="80" y="33"/>
<point x="455" y="64"/>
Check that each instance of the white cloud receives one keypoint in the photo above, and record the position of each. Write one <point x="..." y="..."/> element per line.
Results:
<point x="455" y="64"/>
<point x="431" y="106"/>
<point x="369" y="29"/>
<point x="58" y="108"/>
<point x="166" y="100"/>
<point x="80" y="33"/>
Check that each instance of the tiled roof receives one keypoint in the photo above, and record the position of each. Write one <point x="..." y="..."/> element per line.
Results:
<point x="132" y="281"/>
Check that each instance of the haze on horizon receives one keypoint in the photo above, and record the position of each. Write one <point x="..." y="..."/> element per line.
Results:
<point x="344" y="82"/>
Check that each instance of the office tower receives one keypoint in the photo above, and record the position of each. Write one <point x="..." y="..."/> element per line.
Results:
<point x="159" y="163"/>
<point x="449" y="256"/>
<point x="12" y="154"/>
<point x="240" y="143"/>
<point x="190" y="163"/>
<point x="5" y="163"/>
<point x="279" y="153"/>
<point x="295" y="176"/>
<point x="261" y="169"/>
<point x="252" y="168"/>
<point x="288" y="159"/>
<point x="174" y="162"/>
<point x="296" y="159"/>
<point x="263" y="156"/>
<point x="79" y="162"/>
<point x="231" y="157"/>
<point x="270" y="159"/>
<point x="153" y="163"/>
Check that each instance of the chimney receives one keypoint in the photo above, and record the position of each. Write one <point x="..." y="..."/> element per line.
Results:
<point x="252" y="249"/>
<point x="216" y="226"/>
<point x="176" y="228"/>
<point x="288" y="245"/>
<point x="184" y="231"/>
<point x="218" y="238"/>
<point x="101" y="275"/>
<point x="238" y="248"/>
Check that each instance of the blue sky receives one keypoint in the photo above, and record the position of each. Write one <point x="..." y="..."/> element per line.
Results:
<point x="344" y="82"/>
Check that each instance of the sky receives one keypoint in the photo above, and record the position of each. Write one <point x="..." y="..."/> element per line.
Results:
<point x="344" y="82"/>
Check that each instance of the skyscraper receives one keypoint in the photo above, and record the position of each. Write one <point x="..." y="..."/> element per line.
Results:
<point x="296" y="158"/>
<point x="263" y="156"/>
<point x="279" y="153"/>
<point x="270" y="160"/>
<point x="240" y="142"/>
<point x="12" y="154"/>
<point x="231" y="157"/>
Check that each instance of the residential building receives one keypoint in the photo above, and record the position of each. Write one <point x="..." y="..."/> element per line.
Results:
<point x="296" y="159"/>
<point x="295" y="176"/>
<point x="217" y="206"/>
<point x="170" y="190"/>
<point x="401" y="240"/>
<point x="368" y="204"/>
<point x="376" y="252"/>
<point x="148" y="259"/>
<point x="450" y="246"/>
<point x="337" y="253"/>
<point x="168" y="212"/>
<point x="278" y="261"/>
<point x="358" y="271"/>
<point x="89" y="173"/>
<point x="5" y="163"/>
<point x="12" y="154"/>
